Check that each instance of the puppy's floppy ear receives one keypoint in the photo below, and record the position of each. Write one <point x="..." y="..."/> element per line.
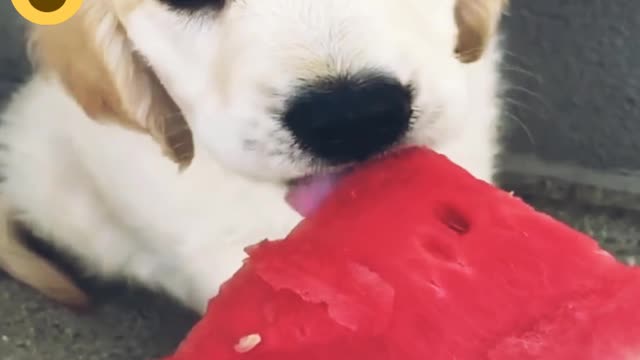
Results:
<point x="477" y="22"/>
<point x="93" y="58"/>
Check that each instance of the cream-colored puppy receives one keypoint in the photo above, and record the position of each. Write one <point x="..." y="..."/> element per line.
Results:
<point x="158" y="138"/>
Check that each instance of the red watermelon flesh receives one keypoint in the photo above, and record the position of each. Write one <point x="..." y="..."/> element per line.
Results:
<point x="411" y="257"/>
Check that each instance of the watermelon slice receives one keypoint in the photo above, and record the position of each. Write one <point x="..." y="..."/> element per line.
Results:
<point x="410" y="257"/>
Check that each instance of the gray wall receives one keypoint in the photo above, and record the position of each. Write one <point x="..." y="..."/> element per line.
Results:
<point x="574" y="67"/>
<point x="13" y="67"/>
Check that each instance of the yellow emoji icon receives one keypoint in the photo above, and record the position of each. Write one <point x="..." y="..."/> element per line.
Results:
<point x="47" y="12"/>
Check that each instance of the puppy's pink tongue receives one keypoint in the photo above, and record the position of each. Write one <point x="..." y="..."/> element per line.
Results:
<point x="307" y="194"/>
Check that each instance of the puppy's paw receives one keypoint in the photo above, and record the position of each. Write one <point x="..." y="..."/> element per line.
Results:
<point x="26" y="266"/>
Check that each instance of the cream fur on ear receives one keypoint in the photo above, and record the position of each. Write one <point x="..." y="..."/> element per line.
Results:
<point x="92" y="57"/>
<point x="477" y="22"/>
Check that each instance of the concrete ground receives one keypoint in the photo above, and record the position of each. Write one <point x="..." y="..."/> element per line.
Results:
<point x="128" y="326"/>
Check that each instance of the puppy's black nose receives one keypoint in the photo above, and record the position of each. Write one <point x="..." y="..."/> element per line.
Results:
<point x="349" y="118"/>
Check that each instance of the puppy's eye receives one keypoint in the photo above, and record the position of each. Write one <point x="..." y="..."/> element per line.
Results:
<point x="193" y="5"/>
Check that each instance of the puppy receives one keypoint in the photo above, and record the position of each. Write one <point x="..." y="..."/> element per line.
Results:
<point x="157" y="139"/>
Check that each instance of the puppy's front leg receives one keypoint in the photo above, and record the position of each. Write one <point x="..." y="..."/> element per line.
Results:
<point x="33" y="270"/>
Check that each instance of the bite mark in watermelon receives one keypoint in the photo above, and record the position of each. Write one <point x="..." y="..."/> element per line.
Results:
<point x="410" y="257"/>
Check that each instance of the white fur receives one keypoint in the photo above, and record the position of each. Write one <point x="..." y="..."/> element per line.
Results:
<point x="108" y="195"/>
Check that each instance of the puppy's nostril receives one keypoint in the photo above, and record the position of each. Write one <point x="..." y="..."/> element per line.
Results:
<point x="349" y="118"/>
